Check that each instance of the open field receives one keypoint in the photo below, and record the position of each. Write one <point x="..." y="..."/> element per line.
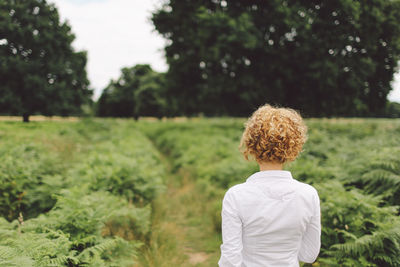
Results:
<point x="114" y="192"/>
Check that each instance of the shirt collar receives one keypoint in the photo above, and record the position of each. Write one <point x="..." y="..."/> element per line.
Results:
<point x="275" y="174"/>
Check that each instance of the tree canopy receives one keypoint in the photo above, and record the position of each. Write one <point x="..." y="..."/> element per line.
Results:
<point x="39" y="70"/>
<point x="139" y="91"/>
<point x="326" y="58"/>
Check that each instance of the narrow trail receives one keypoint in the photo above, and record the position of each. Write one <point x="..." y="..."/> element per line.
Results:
<point x="182" y="233"/>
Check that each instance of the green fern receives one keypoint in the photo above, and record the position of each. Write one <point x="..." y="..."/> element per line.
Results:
<point x="98" y="250"/>
<point x="10" y="257"/>
<point x="355" y="228"/>
<point x="383" y="178"/>
<point x="58" y="261"/>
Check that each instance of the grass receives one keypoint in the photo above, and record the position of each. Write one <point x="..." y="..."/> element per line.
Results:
<point x="182" y="233"/>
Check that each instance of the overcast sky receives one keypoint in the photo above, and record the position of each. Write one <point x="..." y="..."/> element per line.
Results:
<point x="118" y="33"/>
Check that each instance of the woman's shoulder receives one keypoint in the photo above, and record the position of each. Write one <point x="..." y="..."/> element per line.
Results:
<point x="307" y="191"/>
<point x="235" y="188"/>
<point x="238" y="190"/>
<point x="244" y="192"/>
<point x="306" y="187"/>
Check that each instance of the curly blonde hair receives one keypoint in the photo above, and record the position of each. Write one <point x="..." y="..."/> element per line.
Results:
<point x="273" y="135"/>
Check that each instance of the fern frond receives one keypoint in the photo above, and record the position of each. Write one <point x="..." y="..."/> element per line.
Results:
<point x="7" y="252"/>
<point x="11" y="257"/>
<point x="98" y="249"/>
<point x="58" y="261"/>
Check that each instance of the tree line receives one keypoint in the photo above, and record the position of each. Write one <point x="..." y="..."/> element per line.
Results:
<point x="40" y="72"/>
<point x="225" y="57"/>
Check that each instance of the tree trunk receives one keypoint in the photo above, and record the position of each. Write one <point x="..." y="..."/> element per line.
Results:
<point x="25" y="117"/>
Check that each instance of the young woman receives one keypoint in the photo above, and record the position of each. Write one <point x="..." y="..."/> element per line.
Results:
<point x="271" y="219"/>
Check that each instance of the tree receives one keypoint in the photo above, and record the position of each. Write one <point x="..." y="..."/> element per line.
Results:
<point x="392" y="110"/>
<point x="326" y="58"/>
<point x="138" y="92"/>
<point x="39" y="70"/>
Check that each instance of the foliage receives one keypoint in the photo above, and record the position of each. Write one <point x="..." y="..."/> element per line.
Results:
<point x="39" y="70"/>
<point x="322" y="57"/>
<point x="86" y="189"/>
<point x="393" y="110"/>
<point x="97" y="180"/>
<point x="137" y="163"/>
<point x="138" y="92"/>
<point x="382" y="178"/>
<point x="27" y="180"/>
<point x="358" y="228"/>
<point x="70" y="234"/>
<point x="31" y="170"/>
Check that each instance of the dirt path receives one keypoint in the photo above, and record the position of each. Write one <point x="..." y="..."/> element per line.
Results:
<point x="182" y="233"/>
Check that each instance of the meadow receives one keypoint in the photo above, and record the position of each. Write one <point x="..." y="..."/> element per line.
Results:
<point x="113" y="192"/>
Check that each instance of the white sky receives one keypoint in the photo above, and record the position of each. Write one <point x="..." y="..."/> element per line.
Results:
<point x="395" y="93"/>
<point x="118" y="33"/>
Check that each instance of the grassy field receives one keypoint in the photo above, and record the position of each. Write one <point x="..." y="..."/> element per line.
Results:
<point x="113" y="192"/>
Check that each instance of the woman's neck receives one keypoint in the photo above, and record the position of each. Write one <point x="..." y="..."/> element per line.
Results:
<point x="270" y="166"/>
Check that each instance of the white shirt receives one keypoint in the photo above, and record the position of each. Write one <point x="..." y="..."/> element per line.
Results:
<point x="270" y="220"/>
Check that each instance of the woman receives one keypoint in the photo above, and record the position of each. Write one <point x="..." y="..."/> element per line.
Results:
<point x="271" y="219"/>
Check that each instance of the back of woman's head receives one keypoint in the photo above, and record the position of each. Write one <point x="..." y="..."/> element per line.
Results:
<point x="273" y="135"/>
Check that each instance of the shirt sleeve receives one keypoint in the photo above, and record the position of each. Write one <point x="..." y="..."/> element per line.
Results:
<point x="231" y="249"/>
<point x="311" y="242"/>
